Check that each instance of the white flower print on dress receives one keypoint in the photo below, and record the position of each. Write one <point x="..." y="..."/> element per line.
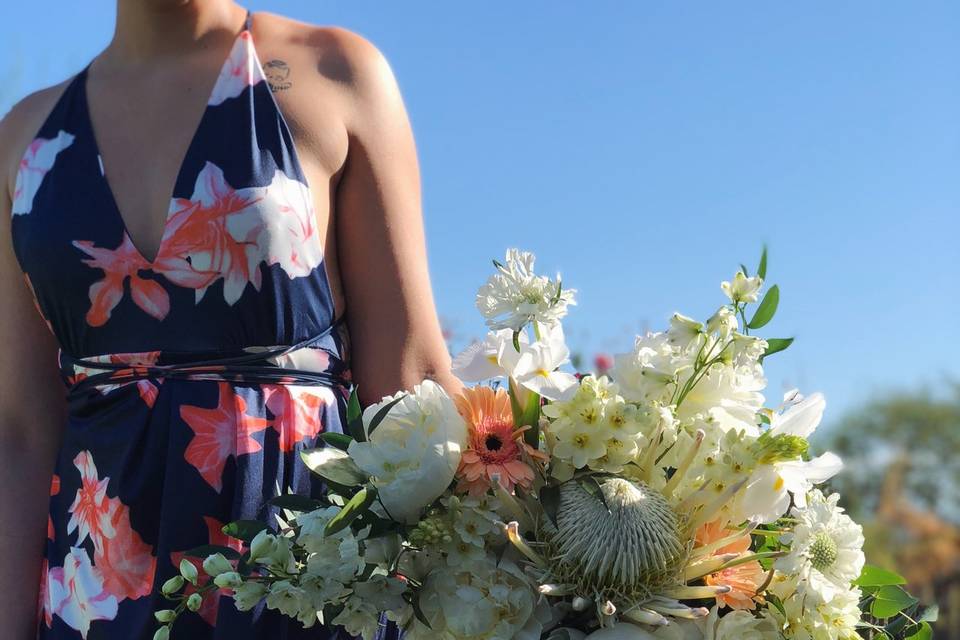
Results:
<point x="34" y="166"/>
<point x="240" y="71"/>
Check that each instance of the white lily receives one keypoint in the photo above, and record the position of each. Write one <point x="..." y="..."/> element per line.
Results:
<point x="534" y="367"/>
<point x="767" y="496"/>
<point x="481" y="360"/>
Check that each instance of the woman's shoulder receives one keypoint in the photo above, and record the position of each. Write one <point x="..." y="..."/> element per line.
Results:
<point x="337" y="53"/>
<point x="20" y="125"/>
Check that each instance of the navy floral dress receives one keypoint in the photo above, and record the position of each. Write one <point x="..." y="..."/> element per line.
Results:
<point x="193" y="378"/>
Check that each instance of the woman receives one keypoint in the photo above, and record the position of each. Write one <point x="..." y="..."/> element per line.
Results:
<point x="292" y="243"/>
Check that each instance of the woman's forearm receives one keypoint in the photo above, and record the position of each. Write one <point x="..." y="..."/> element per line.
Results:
<point x="26" y="468"/>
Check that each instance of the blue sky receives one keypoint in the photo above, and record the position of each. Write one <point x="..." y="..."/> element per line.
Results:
<point x="646" y="148"/>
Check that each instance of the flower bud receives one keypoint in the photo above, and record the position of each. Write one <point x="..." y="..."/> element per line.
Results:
<point x="216" y="564"/>
<point x="172" y="585"/>
<point x="261" y="545"/>
<point x="194" y="601"/>
<point x="163" y="633"/>
<point x="228" y="580"/>
<point x="188" y="570"/>
<point x="165" y="615"/>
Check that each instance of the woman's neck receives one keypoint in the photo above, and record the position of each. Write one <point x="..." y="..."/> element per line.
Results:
<point x="148" y="29"/>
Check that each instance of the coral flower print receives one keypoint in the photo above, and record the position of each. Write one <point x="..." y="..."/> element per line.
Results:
<point x="743" y="579"/>
<point x="240" y="71"/>
<point x="126" y="562"/>
<point x="220" y="433"/>
<point x="495" y="448"/>
<point x="91" y="509"/>
<point x="197" y="249"/>
<point x="76" y="593"/>
<point x="34" y="166"/>
<point x="118" y="266"/>
<point x="297" y="411"/>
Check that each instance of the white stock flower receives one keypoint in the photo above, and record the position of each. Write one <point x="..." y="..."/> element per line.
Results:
<point x="649" y="372"/>
<point x="515" y="295"/>
<point x="742" y="289"/>
<point x="826" y="547"/>
<point x="534" y="367"/>
<point x="414" y="452"/>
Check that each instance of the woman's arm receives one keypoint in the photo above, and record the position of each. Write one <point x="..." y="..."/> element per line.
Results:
<point x="32" y="414"/>
<point x="395" y="332"/>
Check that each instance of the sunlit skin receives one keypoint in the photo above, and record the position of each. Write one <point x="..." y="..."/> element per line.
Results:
<point x="146" y="90"/>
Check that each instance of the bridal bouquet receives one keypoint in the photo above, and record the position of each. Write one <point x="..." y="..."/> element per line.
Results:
<point x="659" y="499"/>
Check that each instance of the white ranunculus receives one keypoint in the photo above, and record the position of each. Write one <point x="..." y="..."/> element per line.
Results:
<point x="413" y="453"/>
<point x="515" y="296"/>
<point x="534" y="367"/>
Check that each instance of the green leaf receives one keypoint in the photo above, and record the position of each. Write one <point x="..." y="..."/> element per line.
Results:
<point x="872" y="576"/>
<point x="339" y="440"/>
<point x="356" y="507"/>
<point x="244" y="529"/>
<point x="382" y="413"/>
<point x="209" y="549"/>
<point x="890" y="600"/>
<point x="417" y="611"/>
<point x="334" y="465"/>
<point x="550" y="501"/>
<point x="295" y="502"/>
<point x="768" y="307"/>
<point x="531" y="417"/>
<point x="776" y="345"/>
<point x="516" y="340"/>
<point x="498" y="265"/>
<point x="743" y="268"/>
<point x="355" y="417"/>
<point x="762" y="269"/>
<point x="921" y="631"/>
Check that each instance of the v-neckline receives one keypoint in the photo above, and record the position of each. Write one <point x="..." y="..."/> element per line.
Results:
<point x="114" y="205"/>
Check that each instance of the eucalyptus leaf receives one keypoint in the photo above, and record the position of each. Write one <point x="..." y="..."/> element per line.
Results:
<point x="296" y="502"/>
<point x="339" y="440"/>
<point x="209" y="549"/>
<point x="244" y="530"/>
<point x="776" y="345"/>
<point x="767" y="308"/>
<point x="382" y="413"/>
<point x="872" y="576"/>
<point x="335" y="465"/>
<point x="356" y="507"/>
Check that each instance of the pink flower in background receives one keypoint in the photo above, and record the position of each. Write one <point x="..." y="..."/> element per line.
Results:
<point x="603" y="362"/>
<point x="76" y="594"/>
<point x="118" y="265"/>
<point x="34" y="166"/>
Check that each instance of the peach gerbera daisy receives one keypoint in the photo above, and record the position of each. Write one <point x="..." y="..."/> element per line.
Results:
<point x="495" y="447"/>
<point x="743" y="579"/>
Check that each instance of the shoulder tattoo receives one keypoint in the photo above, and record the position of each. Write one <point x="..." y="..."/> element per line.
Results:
<point x="278" y="75"/>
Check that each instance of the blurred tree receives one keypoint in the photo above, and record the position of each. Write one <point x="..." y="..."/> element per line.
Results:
<point x="912" y="434"/>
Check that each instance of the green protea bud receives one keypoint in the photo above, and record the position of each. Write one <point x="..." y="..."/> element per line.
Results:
<point x="643" y="548"/>
<point x="770" y="449"/>
<point x="432" y="531"/>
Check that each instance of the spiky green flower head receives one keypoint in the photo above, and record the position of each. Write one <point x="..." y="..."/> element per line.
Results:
<point x="620" y="542"/>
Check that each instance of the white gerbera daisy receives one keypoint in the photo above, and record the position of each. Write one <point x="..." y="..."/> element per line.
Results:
<point x="826" y="548"/>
